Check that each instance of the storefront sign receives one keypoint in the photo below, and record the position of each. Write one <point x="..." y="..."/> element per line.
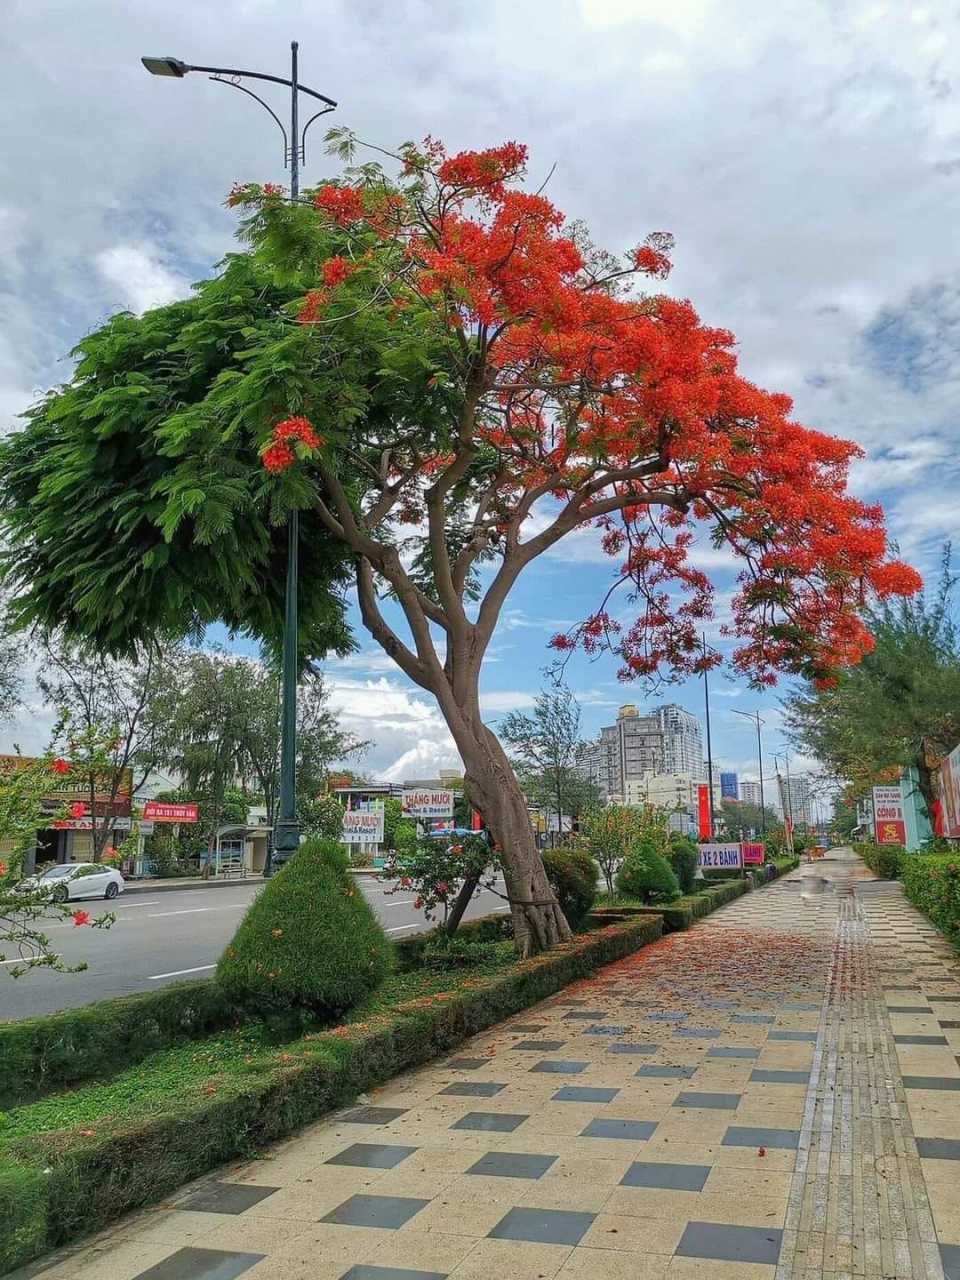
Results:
<point x="161" y="812"/>
<point x="85" y="824"/>
<point x="363" y="826"/>
<point x="112" y="792"/>
<point x="889" y="824"/>
<point x="949" y="777"/>
<point x="720" y="855"/>
<point x="752" y="854"/>
<point x="428" y="804"/>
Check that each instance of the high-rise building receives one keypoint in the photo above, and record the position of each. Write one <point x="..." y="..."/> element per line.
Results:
<point x="624" y="751"/>
<point x="750" y="793"/>
<point x="728" y="786"/>
<point x="796" y="801"/>
<point x="682" y="741"/>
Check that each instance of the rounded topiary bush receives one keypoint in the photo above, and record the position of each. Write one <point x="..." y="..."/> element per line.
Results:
<point x="572" y="874"/>
<point x="683" y="858"/>
<point x="309" y="941"/>
<point x="646" y="875"/>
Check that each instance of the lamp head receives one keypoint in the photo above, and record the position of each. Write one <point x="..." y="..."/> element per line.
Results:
<point x="166" y="67"/>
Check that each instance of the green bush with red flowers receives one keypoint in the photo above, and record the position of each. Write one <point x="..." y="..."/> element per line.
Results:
<point x="932" y="883"/>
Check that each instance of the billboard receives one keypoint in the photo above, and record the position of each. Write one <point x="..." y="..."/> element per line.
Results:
<point x="889" y="824"/>
<point x="950" y="793"/>
<point x="363" y="826"/>
<point x="720" y="855"/>
<point x="423" y="803"/>
<point x="160" y="812"/>
<point x="753" y="854"/>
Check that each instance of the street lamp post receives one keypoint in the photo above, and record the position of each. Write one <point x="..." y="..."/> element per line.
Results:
<point x="287" y="834"/>
<point x="755" y="716"/>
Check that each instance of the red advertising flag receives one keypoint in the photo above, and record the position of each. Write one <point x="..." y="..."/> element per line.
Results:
<point x="752" y="853"/>
<point x="155" y="811"/>
<point x="703" y="812"/>
<point x="477" y="821"/>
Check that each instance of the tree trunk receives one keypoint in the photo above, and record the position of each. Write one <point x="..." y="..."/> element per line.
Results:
<point x="538" y="922"/>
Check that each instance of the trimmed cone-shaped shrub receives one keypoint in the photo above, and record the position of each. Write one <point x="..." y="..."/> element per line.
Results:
<point x="646" y="875"/>
<point x="309" y="941"/>
<point x="573" y="878"/>
<point x="683" y="859"/>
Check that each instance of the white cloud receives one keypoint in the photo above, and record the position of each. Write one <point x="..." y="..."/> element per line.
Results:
<point x="140" y="275"/>
<point x="502" y="700"/>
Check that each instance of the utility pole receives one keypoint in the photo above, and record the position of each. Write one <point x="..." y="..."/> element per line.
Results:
<point x="755" y="716"/>
<point x="706" y="698"/>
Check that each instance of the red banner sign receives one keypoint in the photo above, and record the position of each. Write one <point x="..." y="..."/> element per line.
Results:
<point x="752" y="854"/>
<point x="703" y="812"/>
<point x="158" y="812"/>
<point x="889" y="824"/>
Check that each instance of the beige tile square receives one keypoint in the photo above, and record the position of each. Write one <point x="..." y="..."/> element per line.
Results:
<point x="415" y="1250"/>
<point x="460" y="1217"/>
<point x="642" y="1202"/>
<point x="511" y="1260"/>
<point x="334" y="1244"/>
<point x="740" y="1183"/>
<point x="567" y="1193"/>
<point x="703" y="1268"/>
<point x="604" y="1170"/>
<point x="178" y="1226"/>
<point x="122" y="1262"/>
<point x="635" y="1235"/>
<point x="607" y="1264"/>
<point x="248" y="1234"/>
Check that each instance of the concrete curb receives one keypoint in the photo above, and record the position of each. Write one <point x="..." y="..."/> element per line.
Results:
<point x="170" y="886"/>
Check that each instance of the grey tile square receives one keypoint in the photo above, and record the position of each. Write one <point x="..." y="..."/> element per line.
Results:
<point x="569" y="1001"/>
<point x="366" y="1272"/>
<point x="609" y="1029"/>
<point x="201" y="1264"/>
<point x="474" y="1088"/>
<point x="671" y="1177"/>
<point x="576" y="1093"/>
<point x="698" y="1033"/>
<point x="656" y="1071"/>
<point x="226" y="1197"/>
<point x="909" y="1008"/>
<point x="804" y="1037"/>
<point x="371" y="1155"/>
<point x="916" y="989"/>
<point x="949" y="1026"/>
<point x="719" y="1004"/>
<point x="467" y="1064"/>
<point x="512" y="1164"/>
<point x="538" y="1046"/>
<point x="753" y="1017"/>
<point x="710" y="1101"/>
<point x="388" y="1212"/>
<point x="560" y="1067"/>
<point x="919" y="1039"/>
<point x="666" y="1016"/>
<point x="750" y="1136"/>
<point x="375" y="1115"/>
<point x="724" y="1243"/>
<point x="939" y="1148"/>
<point x="951" y="1083"/>
<point x="632" y="1130"/>
<point x="767" y="1075"/>
<point x="584" y="1015"/>
<point x="950" y="1260"/>
<point x="732" y="1051"/>
<point x="941" y="999"/>
<point x="637" y="1047"/>
<point x="528" y="1027"/>
<point x="490" y="1121"/>
<point x="543" y="1226"/>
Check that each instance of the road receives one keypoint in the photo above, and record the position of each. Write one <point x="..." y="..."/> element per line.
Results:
<point x="171" y="936"/>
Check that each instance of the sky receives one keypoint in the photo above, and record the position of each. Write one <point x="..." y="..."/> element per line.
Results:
<point x="806" y="156"/>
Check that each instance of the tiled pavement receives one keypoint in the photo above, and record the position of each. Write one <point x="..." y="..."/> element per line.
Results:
<point x="774" y="1094"/>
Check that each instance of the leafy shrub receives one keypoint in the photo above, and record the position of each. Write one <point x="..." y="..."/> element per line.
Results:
<point x="683" y="859"/>
<point x="884" y="860"/>
<point x="932" y="883"/>
<point x="647" y="875"/>
<point x="573" y="878"/>
<point x="309" y="941"/>
<point x="455" y="953"/>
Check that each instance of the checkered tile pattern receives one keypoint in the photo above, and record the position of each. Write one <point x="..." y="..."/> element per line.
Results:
<point x="775" y="1093"/>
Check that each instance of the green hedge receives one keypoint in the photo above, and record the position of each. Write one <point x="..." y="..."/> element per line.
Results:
<point x="884" y="860"/>
<point x="932" y="883"/>
<point x="63" y="1185"/>
<point x="39" y="1055"/>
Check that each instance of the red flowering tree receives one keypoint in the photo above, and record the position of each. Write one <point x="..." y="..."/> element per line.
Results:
<point x="445" y="378"/>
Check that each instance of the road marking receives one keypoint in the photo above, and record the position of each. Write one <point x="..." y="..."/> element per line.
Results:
<point x="187" y="911"/>
<point x="400" y="927"/>
<point x="130" y="905"/>
<point x="407" y="902"/>
<point x="25" y="960"/>
<point x="155" y="977"/>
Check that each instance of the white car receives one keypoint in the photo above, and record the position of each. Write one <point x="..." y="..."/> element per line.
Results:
<point x="76" y="880"/>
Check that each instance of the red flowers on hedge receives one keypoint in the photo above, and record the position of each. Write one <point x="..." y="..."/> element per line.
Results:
<point x="292" y="439"/>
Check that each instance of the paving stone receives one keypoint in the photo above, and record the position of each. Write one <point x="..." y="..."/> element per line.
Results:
<point x="226" y="1197"/>
<point x="939" y="1149"/>
<point x="560" y="1067"/>
<point x="665" y="1016"/>
<point x="711" y="1101"/>
<point x="201" y="1264"/>
<point x="381" y="1115"/>
<point x="610" y="1029"/>
<point x="387" y="1212"/>
<point x="909" y="1008"/>
<point x="539" y="1046"/>
<point x="371" y="1155"/>
<point x="655" y="1071"/>
<point x="510" y="1164"/>
<point x="920" y="1040"/>
<point x="770" y="1075"/>
<point x="806" y="1037"/>
<point x="732" y="1051"/>
<point x="364" y="1272"/>
<point x="584" y="1015"/>
<point x="698" y="1033"/>
<point x="668" y="1177"/>
<point x="474" y="1089"/>
<point x="574" y="1093"/>
<point x="755" y="1136"/>
<point x="638" y="1048"/>
<point x="753" y="1017"/>
<point x="950" y="1261"/>
<point x="543" y="1226"/>
<point x="946" y="1083"/>
<point x="490" y="1121"/>
<point x="632" y="1130"/>
<point x="723" y="1243"/>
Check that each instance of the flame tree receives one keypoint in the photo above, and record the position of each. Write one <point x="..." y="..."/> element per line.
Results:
<point x="447" y="382"/>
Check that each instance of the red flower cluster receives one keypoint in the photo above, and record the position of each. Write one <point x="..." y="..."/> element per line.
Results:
<point x="81" y="917"/>
<point x="342" y="205"/>
<point x="281" y="453"/>
<point x="336" y="270"/>
<point x="60" y="766"/>
<point x="78" y="809"/>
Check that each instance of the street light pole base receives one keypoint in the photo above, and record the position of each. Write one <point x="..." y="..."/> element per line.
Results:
<point x="286" y="842"/>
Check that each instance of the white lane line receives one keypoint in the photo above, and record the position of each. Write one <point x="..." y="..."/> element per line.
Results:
<point x="24" y="961"/>
<point x="400" y="928"/>
<point x="187" y="911"/>
<point x="155" y="977"/>
<point x="128" y="906"/>
<point x="407" y="902"/>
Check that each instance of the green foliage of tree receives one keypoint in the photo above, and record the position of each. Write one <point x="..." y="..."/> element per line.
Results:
<point x="309" y="941"/>
<point x="682" y="856"/>
<point x="646" y="874"/>
<point x="573" y="876"/>
<point x="900" y="706"/>
<point x="437" y="870"/>
<point x="609" y="835"/>
<point x="546" y="745"/>
<point x="740" y="817"/>
<point x="321" y="816"/>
